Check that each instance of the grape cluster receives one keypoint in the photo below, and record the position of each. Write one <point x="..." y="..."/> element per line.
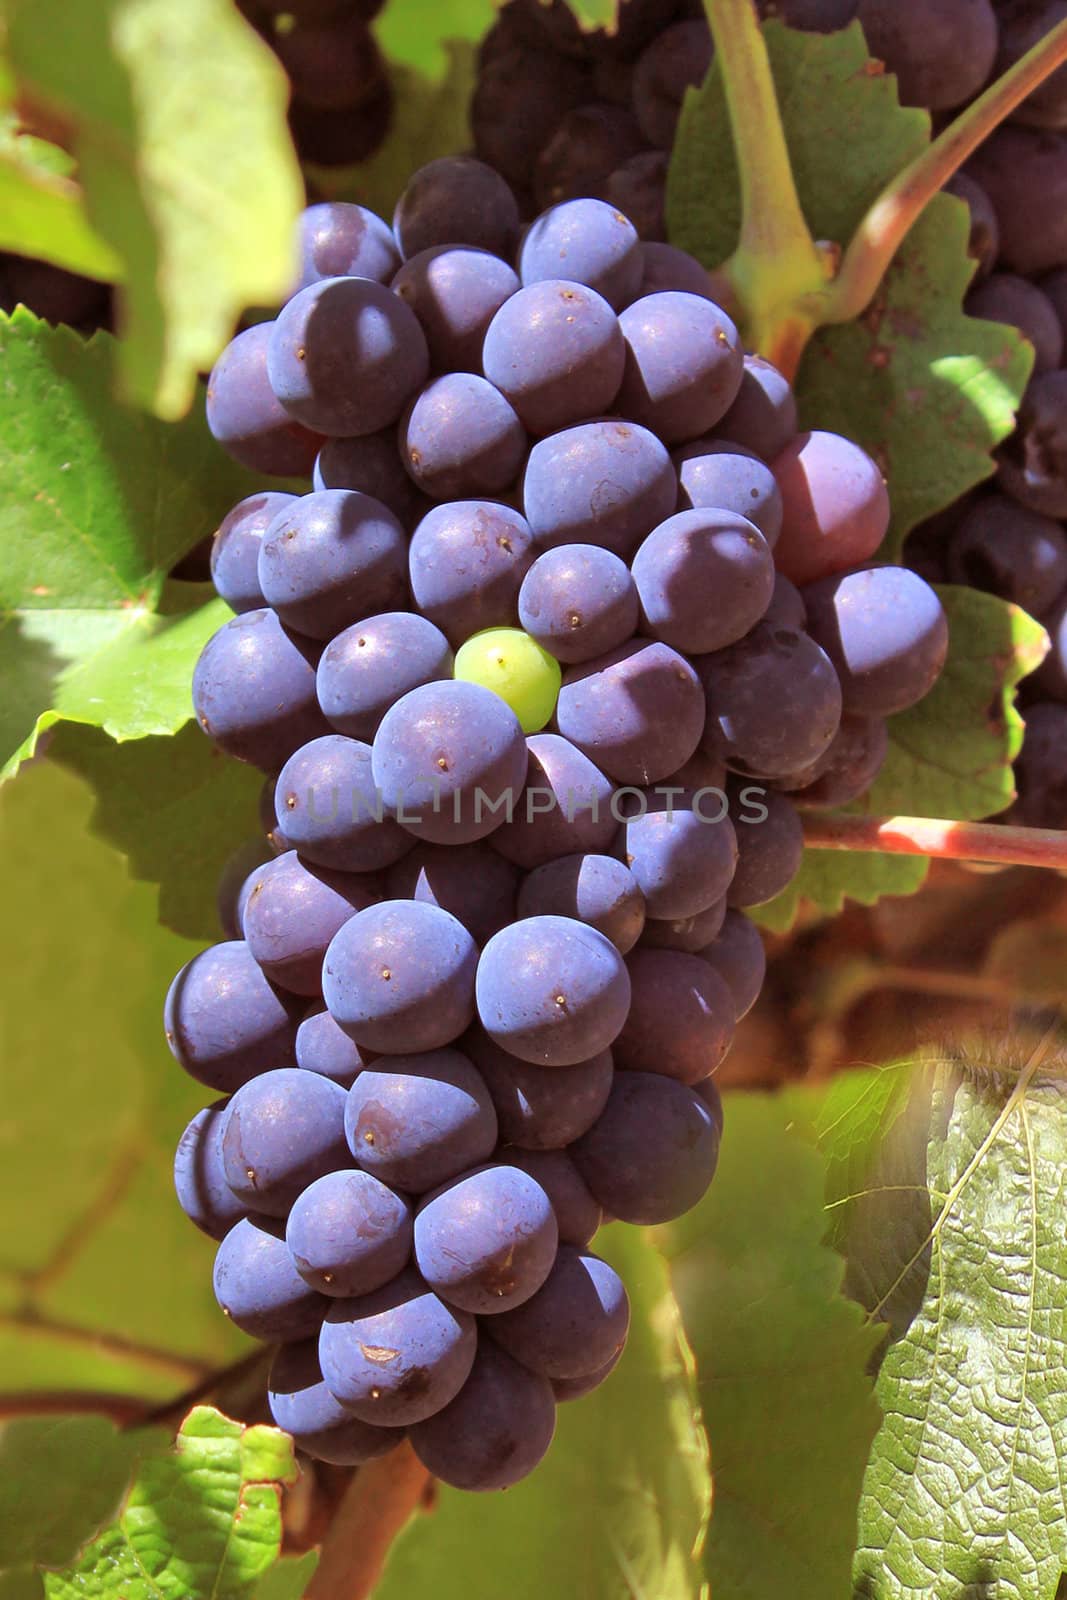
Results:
<point x="342" y="98"/>
<point x="571" y="623"/>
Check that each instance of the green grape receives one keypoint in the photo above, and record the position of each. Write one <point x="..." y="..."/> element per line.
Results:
<point x="516" y="668"/>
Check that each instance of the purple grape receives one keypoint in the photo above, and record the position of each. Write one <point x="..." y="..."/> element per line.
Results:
<point x="983" y="243"/>
<point x="301" y="1404"/>
<point x="681" y="1020"/>
<point x="450" y="759"/>
<point x="254" y="690"/>
<point x="577" y="1388"/>
<point x="573" y="1325"/>
<point x="1022" y="23"/>
<point x="418" y="1121"/>
<point x="683" y="365"/>
<point x="224" y="1022"/>
<point x="583" y="149"/>
<point x="1051" y="676"/>
<point x="235" y="884"/>
<point x="555" y="350"/>
<point x="374" y="663"/>
<point x="763" y="418"/>
<point x="348" y="1234"/>
<point x="467" y="562"/>
<point x="587" y="242"/>
<point x="245" y="417"/>
<point x="540" y="1108"/>
<point x="718" y="474"/>
<point x="471" y="881"/>
<point x="338" y="138"/>
<point x="396" y="1356"/>
<point x="695" y="554"/>
<point x="456" y="200"/>
<point x="578" y="601"/>
<point x="1004" y="297"/>
<point x="604" y="483"/>
<point x="520" y="96"/>
<point x="787" y="605"/>
<point x="235" y="548"/>
<point x="330" y="64"/>
<point x="813" y="16"/>
<point x="773" y="702"/>
<point x="455" y="291"/>
<point x="564" y="807"/>
<point x="1041" y="769"/>
<point x="846" y="770"/>
<point x="283" y="1130"/>
<point x="495" y="1431"/>
<point x="578" y="1215"/>
<point x="770" y="849"/>
<point x="399" y="977"/>
<point x="199" y="1179"/>
<point x="291" y="914"/>
<point x="372" y="465"/>
<point x="552" y="991"/>
<point x="331" y="559"/>
<point x="487" y="1241"/>
<point x="688" y="934"/>
<point x="886" y="633"/>
<point x="652" y="1153"/>
<point x="668" y="270"/>
<point x="337" y="240"/>
<point x="461" y="437"/>
<point x="638" y="188"/>
<point x="738" y="956"/>
<point x="1024" y="173"/>
<point x="346" y="355"/>
<point x="1054" y="287"/>
<point x="940" y="51"/>
<point x="1033" y="463"/>
<point x="638" y="712"/>
<point x="329" y="811"/>
<point x="323" y="1047"/>
<point x="835" y="506"/>
<point x="677" y="60"/>
<point x="258" y="1287"/>
<point x="680" y="851"/>
<point x="596" y="890"/>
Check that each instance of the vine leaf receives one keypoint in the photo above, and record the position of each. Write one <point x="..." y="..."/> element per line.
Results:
<point x="927" y="390"/>
<point x="97" y="502"/>
<point x="781" y="1357"/>
<point x="618" y="1506"/>
<point x="950" y="756"/>
<point x="41" y="209"/>
<point x="954" y="1203"/>
<point x="412" y="40"/>
<point x="105" y="1285"/>
<point x="200" y="1522"/>
<point x="176" y="114"/>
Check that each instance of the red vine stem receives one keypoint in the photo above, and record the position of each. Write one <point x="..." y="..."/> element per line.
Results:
<point x="948" y="841"/>
<point x="378" y="1503"/>
<point x="894" y="213"/>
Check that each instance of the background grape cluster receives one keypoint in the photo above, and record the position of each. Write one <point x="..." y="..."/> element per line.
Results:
<point x="571" y="623"/>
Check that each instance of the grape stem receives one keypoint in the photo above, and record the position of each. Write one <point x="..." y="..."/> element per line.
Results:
<point x="894" y="213"/>
<point x="776" y="265"/>
<point x="948" y="841"/>
<point x="378" y="1503"/>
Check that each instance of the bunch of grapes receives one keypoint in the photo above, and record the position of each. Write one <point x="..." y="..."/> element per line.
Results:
<point x="571" y="625"/>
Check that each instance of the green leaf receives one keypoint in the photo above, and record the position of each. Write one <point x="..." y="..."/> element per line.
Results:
<point x="42" y="213"/>
<point x="430" y="119"/>
<point x="828" y="878"/>
<point x="617" y="1508"/>
<point x="964" y="1493"/>
<point x="176" y="114"/>
<point x="201" y="1522"/>
<point x="950" y="756"/>
<point x="286" y="1580"/>
<point x="177" y="809"/>
<point x="927" y="390"/>
<point x="781" y="1358"/>
<point x="414" y="40"/>
<point x="61" y="1478"/>
<point x="97" y="502"/>
<point x="104" y="1284"/>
